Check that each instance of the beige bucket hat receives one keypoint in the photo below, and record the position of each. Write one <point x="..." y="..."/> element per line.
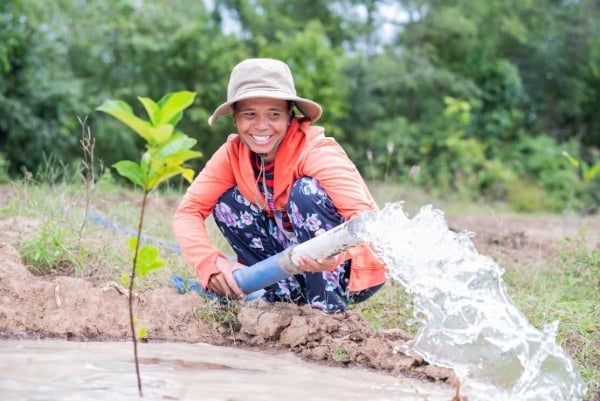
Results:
<point x="264" y="77"/>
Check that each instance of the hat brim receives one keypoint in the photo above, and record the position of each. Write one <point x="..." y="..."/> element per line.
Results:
<point x="311" y="110"/>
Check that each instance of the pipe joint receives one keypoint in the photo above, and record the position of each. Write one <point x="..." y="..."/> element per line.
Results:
<point x="286" y="263"/>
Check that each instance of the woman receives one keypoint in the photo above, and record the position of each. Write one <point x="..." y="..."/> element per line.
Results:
<point x="279" y="181"/>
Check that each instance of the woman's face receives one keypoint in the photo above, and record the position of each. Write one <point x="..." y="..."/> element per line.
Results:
<point x="262" y="123"/>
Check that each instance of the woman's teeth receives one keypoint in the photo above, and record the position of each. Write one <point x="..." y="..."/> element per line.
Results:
<point x="261" y="139"/>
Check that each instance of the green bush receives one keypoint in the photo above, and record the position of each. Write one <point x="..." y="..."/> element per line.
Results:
<point x="544" y="172"/>
<point x="495" y="179"/>
<point x="526" y="197"/>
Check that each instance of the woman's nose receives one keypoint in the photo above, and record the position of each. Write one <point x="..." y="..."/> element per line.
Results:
<point x="262" y="122"/>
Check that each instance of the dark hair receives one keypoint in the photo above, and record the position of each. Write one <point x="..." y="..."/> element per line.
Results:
<point x="290" y="106"/>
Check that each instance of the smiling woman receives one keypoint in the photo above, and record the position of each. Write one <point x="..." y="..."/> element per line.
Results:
<point x="277" y="182"/>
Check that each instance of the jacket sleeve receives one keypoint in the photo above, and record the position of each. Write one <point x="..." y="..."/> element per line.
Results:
<point x="189" y="222"/>
<point x="327" y="161"/>
<point x="329" y="164"/>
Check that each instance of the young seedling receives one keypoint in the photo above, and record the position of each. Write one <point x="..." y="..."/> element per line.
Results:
<point x="166" y="152"/>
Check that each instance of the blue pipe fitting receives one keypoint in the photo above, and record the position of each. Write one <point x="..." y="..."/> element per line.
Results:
<point x="259" y="275"/>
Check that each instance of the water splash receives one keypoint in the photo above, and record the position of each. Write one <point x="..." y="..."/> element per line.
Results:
<point x="467" y="321"/>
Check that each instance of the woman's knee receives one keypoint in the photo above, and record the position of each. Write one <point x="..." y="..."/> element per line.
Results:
<point x="308" y="201"/>
<point x="306" y="188"/>
<point x="308" y="196"/>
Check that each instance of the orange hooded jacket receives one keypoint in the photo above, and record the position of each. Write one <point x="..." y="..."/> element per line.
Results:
<point x="304" y="151"/>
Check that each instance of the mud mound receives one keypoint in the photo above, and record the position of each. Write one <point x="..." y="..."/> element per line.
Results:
<point x="343" y="338"/>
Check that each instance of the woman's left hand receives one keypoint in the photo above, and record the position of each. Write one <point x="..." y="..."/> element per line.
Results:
<point x="308" y="264"/>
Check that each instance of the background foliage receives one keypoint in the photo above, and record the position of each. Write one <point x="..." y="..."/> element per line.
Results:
<point x="468" y="99"/>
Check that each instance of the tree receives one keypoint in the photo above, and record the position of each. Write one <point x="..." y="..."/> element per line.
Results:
<point x="64" y="59"/>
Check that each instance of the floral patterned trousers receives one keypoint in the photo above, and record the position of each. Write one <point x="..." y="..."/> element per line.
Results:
<point x="256" y="234"/>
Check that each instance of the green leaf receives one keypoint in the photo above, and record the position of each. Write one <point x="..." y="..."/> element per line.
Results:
<point x="113" y="106"/>
<point x="183" y="156"/>
<point x="142" y="333"/>
<point x="175" y="120"/>
<point x="122" y="112"/>
<point x="162" y="133"/>
<point x="573" y="161"/>
<point x="167" y="160"/>
<point x="188" y="174"/>
<point x="174" y="145"/>
<point x="173" y="104"/>
<point x="145" y="164"/>
<point x="125" y="279"/>
<point x="148" y="260"/>
<point x="591" y="172"/>
<point x="151" y="108"/>
<point x="162" y="173"/>
<point x="132" y="171"/>
<point x="132" y="243"/>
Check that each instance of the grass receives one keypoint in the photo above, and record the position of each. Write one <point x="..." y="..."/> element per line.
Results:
<point x="389" y="308"/>
<point x="65" y="240"/>
<point x="214" y="312"/>
<point x="340" y="354"/>
<point x="567" y="290"/>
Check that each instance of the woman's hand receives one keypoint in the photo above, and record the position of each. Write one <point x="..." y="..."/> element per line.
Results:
<point x="223" y="283"/>
<point x="309" y="264"/>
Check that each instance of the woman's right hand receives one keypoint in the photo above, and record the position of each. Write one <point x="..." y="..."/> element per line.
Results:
<point x="223" y="283"/>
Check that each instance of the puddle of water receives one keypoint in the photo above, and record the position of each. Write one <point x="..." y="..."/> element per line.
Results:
<point x="467" y="321"/>
<point x="50" y="370"/>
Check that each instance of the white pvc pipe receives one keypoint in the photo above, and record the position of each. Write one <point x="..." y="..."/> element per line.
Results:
<point x="330" y="243"/>
<point x="283" y="264"/>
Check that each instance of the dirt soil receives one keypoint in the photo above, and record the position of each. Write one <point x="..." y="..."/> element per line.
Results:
<point x="75" y="309"/>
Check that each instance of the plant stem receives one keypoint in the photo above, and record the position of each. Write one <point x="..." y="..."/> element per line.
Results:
<point x="87" y="173"/>
<point x="131" y="318"/>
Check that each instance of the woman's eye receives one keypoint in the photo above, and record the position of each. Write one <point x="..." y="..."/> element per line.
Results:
<point x="248" y="115"/>
<point x="274" y="115"/>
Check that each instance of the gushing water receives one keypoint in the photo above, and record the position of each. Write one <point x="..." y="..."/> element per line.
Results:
<point x="467" y="321"/>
